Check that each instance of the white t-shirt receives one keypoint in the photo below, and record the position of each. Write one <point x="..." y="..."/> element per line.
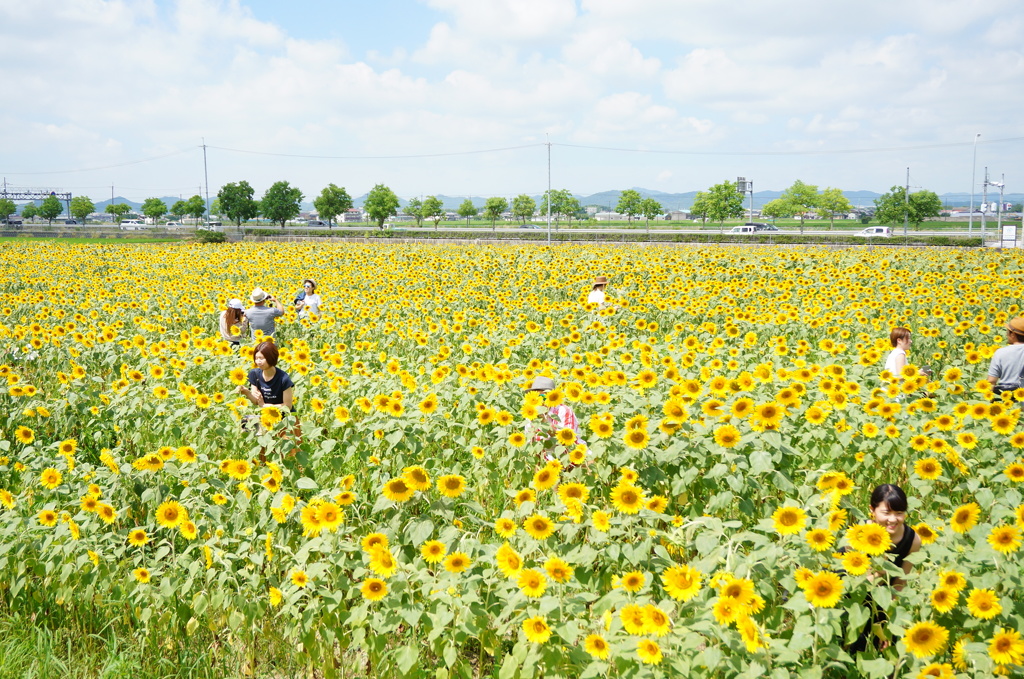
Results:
<point x="311" y="303"/>
<point x="596" y="296"/>
<point x="890" y="362"/>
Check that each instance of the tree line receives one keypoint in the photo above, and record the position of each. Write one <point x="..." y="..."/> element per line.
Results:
<point x="281" y="202"/>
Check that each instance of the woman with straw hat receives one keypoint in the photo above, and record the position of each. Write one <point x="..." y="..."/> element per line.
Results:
<point x="596" y="295"/>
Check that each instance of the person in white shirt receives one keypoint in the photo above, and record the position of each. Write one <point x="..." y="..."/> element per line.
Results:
<point x="596" y="295"/>
<point x="897" y="358"/>
<point x="308" y="301"/>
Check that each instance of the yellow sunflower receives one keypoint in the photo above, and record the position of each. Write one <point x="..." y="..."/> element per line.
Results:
<point x="925" y="638"/>
<point x="398" y="490"/>
<point x="965" y="517"/>
<point x="628" y="499"/>
<point x="539" y="527"/>
<point x="789" y="520"/>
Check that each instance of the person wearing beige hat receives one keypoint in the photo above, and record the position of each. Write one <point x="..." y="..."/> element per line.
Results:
<point x="596" y="295"/>
<point x="1006" y="371"/>
<point x="261" y="316"/>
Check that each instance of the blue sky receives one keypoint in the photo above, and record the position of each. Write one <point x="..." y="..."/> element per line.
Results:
<point x="458" y="97"/>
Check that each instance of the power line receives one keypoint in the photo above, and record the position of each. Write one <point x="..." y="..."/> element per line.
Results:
<point x="106" y="167"/>
<point x="789" y="153"/>
<point x="419" y="155"/>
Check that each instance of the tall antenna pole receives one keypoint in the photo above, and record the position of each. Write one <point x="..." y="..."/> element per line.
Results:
<point x="906" y="204"/>
<point x="984" y="206"/>
<point x="549" y="188"/>
<point x="206" y="177"/>
<point x="974" y="165"/>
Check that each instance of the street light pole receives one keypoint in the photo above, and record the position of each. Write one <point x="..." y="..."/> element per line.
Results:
<point x="974" y="165"/>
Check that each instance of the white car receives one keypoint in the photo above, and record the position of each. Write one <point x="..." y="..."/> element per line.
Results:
<point x="173" y="225"/>
<point x="746" y="228"/>
<point x="875" y="232"/>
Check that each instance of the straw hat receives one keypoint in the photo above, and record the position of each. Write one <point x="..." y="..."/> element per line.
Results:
<point x="1016" y="326"/>
<point x="258" y="295"/>
<point x="600" y="280"/>
<point x="236" y="304"/>
<point x="542" y="384"/>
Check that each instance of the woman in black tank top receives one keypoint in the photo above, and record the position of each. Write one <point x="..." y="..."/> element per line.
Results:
<point x="889" y="510"/>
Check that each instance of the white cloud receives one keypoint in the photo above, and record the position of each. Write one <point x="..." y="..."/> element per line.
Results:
<point x="149" y="77"/>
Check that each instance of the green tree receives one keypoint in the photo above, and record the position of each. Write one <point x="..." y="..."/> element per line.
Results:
<point x="236" y="200"/>
<point x="777" y="208"/>
<point x="380" y="204"/>
<point x="29" y="211"/>
<point x="154" y="208"/>
<point x="331" y="202"/>
<point x="571" y="207"/>
<point x="801" y="199"/>
<point x="7" y="208"/>
<point x="650" y="209"/>
<point x="119" y="210"/>
<point x="215" y="207"/>
<point x="493" y="209"/>
<point x="415" y="208"/>
<point x="51" y="208"/>
<point x="724" y="202"/>
<point x="281" y="202"/>
<point x="1017" y="207"/>
<point x="629" y="204"/>
<point x="179" y="210"/>
<point x="195" y="207"/>
<point x="433" y="209"/>
<point x="467" y="210"/>
<point x="891" y="207"/>
<point x="82" y="207"/>
<point x="523" y="207"/>
<point x="832" y="202"/>
<point x="701" y="206"/>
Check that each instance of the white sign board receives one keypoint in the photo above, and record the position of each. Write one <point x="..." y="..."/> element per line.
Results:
<point x="1009" y="236"/>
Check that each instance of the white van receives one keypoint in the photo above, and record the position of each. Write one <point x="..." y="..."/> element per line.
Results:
<point x="746" y="228"/>
<point x="132" y="225"/>
<point x="875" y="232"/>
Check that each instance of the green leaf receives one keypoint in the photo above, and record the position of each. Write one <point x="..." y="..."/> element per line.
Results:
<point x="508" y="668"/>
<point x="306" y="483"/>
<point x="760" y="462"/>
<point x="406" y="658"/>
<point x="876" y="667"/>
<point x="418" y="533"/>
<point x="450" y="654"/>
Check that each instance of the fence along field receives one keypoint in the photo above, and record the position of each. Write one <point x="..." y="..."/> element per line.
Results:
<point x="735" y="417"/>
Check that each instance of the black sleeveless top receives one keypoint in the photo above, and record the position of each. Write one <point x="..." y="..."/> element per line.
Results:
<point x="902" y="548"/>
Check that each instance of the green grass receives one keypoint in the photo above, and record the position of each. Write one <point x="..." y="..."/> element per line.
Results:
<point x="60" y="642"/>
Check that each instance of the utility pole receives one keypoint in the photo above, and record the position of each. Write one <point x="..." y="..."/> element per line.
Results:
<point x="206" y="177"/>
<point x="906" y="204"/>
<point x="549" y="188"/>
<point x="984" y="205"/>
<point x="974" y="164"/>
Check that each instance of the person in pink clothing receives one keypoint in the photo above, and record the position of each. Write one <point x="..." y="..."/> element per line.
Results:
<point x="555" y="419"/>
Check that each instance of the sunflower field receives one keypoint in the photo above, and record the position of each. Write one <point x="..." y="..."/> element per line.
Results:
<point x="418" y="516"/>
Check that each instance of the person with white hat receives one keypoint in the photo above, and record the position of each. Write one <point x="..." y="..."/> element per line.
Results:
<point x="261" y="316"/>
<point x="596" y="295"/>
<point x="1006" y="372"/>
<point x="233" y="324"/>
